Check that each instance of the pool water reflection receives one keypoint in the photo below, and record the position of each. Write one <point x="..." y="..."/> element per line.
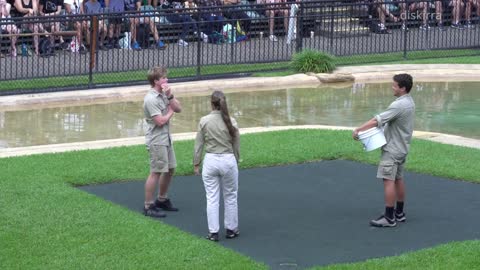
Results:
<point x="447" y="107"/>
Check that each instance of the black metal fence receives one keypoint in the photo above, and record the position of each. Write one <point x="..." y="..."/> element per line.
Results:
<point x="78" y="51"/>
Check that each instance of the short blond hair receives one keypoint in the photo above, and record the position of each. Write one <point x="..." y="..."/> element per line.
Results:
<point x="156" y="73"/>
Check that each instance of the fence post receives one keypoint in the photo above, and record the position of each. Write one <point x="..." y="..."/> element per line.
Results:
<point x="93" y="45"/>
<point x="332" y="17"/>
<point x="299" y="37"/>
<point x="405" y="31"/>
<point x="199" y="51"/>
<point x="232" y="40"/>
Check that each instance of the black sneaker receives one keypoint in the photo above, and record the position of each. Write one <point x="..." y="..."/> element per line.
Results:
<point x="116" y="45"/>
<point x="102" y="47"/>
<point x="64" y="46"/>
<point x="456" y="26"/>
<point x="165" y="205"/>
<point x="441" y="27"/>
<point x="83" y="49"/>
<point x="153" y="211"/>
<point x="232" y="233"/>
<point x="400" y="217"/>
<point x="383" y="221"/>
<point x="212" y="237"/>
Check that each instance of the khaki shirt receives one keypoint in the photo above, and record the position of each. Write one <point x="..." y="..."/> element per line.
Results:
<point x="213" y="134"/>
<point x="230" y="2"/>
<point x="398" y="120"/>
<point x="156" y="103"/>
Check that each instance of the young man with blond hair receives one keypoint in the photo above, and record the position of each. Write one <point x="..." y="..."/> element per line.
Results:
<point x="159" y="106"/>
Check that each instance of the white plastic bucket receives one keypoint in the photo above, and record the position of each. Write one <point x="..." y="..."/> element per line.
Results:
<point x="372" y="138"/>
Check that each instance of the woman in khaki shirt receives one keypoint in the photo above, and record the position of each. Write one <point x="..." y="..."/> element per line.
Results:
<point x="219" y="134"/>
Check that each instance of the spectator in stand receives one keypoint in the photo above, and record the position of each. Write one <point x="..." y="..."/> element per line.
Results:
<point x="133" y="5"/>
<point x="153" y="28"/>
<point x="49" y="8"/>
<point x="152" y="3"/>
<point x="469" y="5"/>
<point x="94" y="7"/>
<point x="272" y="8"/>
<point x="72" y="7"/>
<point x="192" y="11"/>
<point x="235" y="13"/>
<point x="212" y="14"/>
<point x="28" y="8"/>
<point x="457" y="8"/>
<point x="175" y="15"/>
<point x="439" y="14"/>
<point x="190" y="4"/>
<point x="384" y="12"/>
<point x="457" y="11"/>
<point x="8" y="28"/>
<point x="413" y="9"/>
<point x="115" y="22"/>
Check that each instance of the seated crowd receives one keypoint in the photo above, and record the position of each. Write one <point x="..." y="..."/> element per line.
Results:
<point x="118" y="16"/>
<point x="206" y="19"/>
<point x="401" y="11"/>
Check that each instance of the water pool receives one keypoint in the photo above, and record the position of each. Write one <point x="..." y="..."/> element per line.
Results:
<point x="446" y="107"/>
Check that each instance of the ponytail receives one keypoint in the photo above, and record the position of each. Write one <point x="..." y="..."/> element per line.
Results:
<point x="219" y="102"/>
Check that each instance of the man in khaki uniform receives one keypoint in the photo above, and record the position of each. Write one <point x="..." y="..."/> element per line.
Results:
<point x="398" y="122"/>
<point x="159" y="105"/>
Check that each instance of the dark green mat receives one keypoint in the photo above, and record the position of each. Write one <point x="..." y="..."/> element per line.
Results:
<point x="304" y="215"/>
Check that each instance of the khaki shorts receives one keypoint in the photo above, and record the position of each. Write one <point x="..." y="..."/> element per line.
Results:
<point x="391" y="166"/>
<point x="162" y="158"/>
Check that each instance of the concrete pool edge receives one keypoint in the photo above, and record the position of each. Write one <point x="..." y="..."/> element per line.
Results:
<point x="377" y="73"/>
<point x="90" y="145"/>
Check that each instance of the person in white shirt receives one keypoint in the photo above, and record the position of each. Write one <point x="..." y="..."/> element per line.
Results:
<point x="9" y="28"/>
<point x="73" y="7"/>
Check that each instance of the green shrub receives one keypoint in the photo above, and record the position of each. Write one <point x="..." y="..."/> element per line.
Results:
<point x="313" y="61"/>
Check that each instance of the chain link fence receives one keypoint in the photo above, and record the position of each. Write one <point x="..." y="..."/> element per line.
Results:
<point x="107" y="49"/>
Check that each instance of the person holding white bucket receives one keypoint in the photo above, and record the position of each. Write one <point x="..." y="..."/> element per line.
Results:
<point x="219" y="134"/>
<point x="397" y="122"/>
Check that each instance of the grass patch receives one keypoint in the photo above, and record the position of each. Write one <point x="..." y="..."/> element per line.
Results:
<point x="260" y="70"/>
<point x="431" y="57"/>
<point x="313" y="61"/>
<point x="383" y="60"/>
<point x="132" y="76"/>
<point x="48" y="224"/>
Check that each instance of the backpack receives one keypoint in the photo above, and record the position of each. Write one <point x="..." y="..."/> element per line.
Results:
<point x="216" y="38"/>
<point x="143" y="35"/>
<point x="45" y="47"/>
